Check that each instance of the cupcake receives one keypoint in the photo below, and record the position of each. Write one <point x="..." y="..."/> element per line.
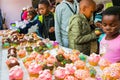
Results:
<point x="82" y="57"/>
<point x="49" y="45"/>
<point x="49" y="67"/>
<point x="60" y="73"/>
<point x="93" y="59"/>
<point x="23" y="42"/>
<point x="14" y="41"/>
<point x="81" y="74"/>
<point x="92" y="71"/>
<point x="39" y="58"/>
<point x="34" y="69"/>
<point x="74" y="57"/>
<point x="29" y="49"/>
<point x="38" y="48"/>
<point x="12" y="52"/>
<point x="66" y="61"/>
<point x="60" y="57"/>
<point x="70" y="78"/>
<point x="55" y="44"/>
<point x="103" y="63"/>
<point x="11" y="62"/>
<point x="45" y="75"/>
<point x="80" y="64"/>
<point x="16" y="73"/>
<point x="70" y="68"/>
<point x="6" y="42"/>
<point x="51" y="59"/>
<point x="110" y="73"/>
<point x="59" y="64"/>
<point x="21" y="53"/>
<point x="33" y="55"/>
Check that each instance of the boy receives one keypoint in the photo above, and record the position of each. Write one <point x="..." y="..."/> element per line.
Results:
<point x="63" y="12"/>
<point x="47" y="20"/>
<point x="110" y="44"/>
<point x="79" y="33"/>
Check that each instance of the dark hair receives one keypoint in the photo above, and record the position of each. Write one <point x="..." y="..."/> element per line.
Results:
<point x="99" y="6"/>
<point x="45" y="2"/>
<point x="32" y="12"/>
<point x="112" y="11"/>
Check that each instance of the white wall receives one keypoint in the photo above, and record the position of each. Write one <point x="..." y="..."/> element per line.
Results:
<point x="12" y="9"/>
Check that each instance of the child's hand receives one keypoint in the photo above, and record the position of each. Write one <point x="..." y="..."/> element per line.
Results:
<point x="97" y="32"/>
<point x="51" y="29"/>
<point x="98" y="24"/>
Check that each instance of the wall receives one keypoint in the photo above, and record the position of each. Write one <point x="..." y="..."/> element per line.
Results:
<point x="12" y="9"/>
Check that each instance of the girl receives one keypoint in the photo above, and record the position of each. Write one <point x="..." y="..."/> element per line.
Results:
<point x="110" y="44"/>
<point x="34" y="25"/>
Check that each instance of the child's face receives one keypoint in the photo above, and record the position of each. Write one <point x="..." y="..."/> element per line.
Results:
<point x="29" y="17"/>
<point x="110" y="24"/>
<point x="42" y="9"/>
<point x="88" y="11"/>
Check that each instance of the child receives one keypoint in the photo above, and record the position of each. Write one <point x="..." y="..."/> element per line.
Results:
<point x="79" y="33"/>
<point x="63" y="12"/>
<point x="47" y="20"/>
<point x="110" y="44"/>
<point x="34" y="25"/>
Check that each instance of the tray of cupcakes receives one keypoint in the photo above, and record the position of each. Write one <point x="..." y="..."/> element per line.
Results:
<point x="71" y="65"/>
<point x="46" y="60"/>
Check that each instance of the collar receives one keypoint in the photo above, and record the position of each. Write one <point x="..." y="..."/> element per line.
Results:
<point x="83" y="16"/>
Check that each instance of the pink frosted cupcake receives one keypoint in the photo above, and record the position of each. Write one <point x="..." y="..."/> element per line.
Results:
<point x="21" y="53"/>
<point x="81" y="74"/>
<point x="79" y="64"/>
<point x="16" y="73"/>
<point x="34" y="69"/>
<point x="110" y="73"/>
<point x="93" y="59"/>
<point x="74" y="57"/>
<point x="70" y="68"/>
<point x="60" y="73"/>
<point x="103" y="63"/>
<point x="51" y="59"/>
<point x="70" y="78"/>
<point x="116" y="66"/>
<point x="45" y="75"/>
<point x="33" y="55"/>
<point x="39" y="58"/>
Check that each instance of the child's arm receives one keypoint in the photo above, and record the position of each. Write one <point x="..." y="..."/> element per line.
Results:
<point x="58" y="16"/>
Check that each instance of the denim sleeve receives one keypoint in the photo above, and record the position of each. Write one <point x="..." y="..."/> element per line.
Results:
<point x="29" y="25"/>
<point x="58" y="17"/>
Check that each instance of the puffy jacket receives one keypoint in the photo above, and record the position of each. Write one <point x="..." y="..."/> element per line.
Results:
<point x="80" y="34"/>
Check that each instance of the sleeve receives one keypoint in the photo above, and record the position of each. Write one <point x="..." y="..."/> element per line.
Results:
<point x="29" y="25"/>
<point x="39" y="31"/>
<point x="58" y="16"/>
<point x="52" y="21"/>
<point x="79" y="38"/>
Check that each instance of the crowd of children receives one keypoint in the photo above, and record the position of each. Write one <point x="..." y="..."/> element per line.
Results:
<point x="69" y="23"/>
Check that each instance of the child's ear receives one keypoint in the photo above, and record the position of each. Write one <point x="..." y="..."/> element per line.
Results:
<point x="83" y="8"/>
